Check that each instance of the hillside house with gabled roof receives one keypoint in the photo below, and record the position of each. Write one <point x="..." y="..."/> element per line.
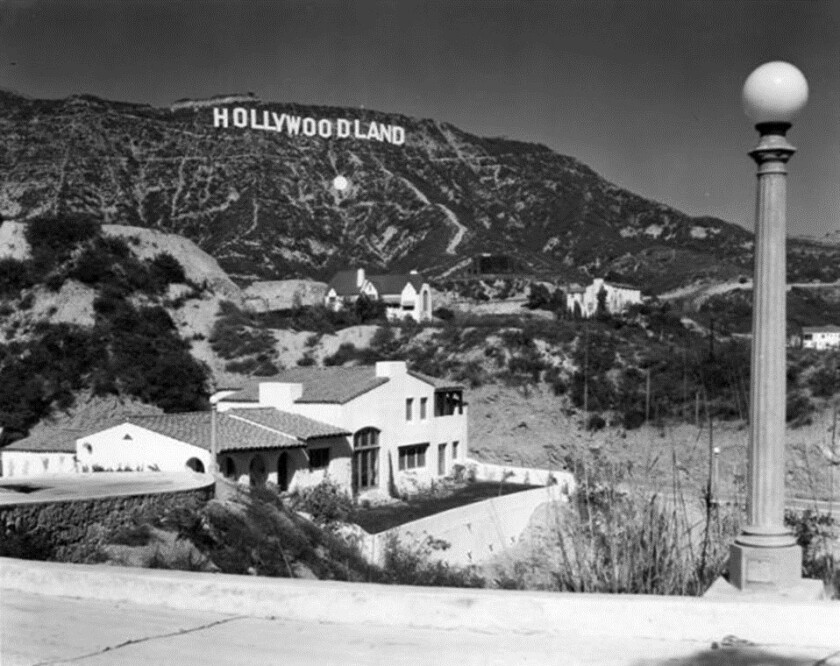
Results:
<point x="405" y="428"/>
<point x="618" y="297"/>
<point x="404" y="295"/>
<point x="821" y="337"/>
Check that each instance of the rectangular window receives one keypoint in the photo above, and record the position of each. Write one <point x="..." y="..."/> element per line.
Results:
<point x="409" y="407"/>
<point x="448" y="403"/>
<point x="423" y="402"/>
<point x="412" y="457"/>
<point x="319" y="458"/>
<point x="442" y="459"/>
<point x="454" y="450"/>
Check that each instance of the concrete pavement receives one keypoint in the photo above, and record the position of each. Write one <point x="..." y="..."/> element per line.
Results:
<point x="56" y="613"/>
<point x="65" y="487"/>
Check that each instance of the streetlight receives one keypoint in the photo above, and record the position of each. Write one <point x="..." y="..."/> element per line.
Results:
<point x="765" y="555"/>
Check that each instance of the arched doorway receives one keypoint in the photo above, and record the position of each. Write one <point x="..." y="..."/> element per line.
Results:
<point x="229" y="468"/>
<point x="256" y="471"/>
<point x="195" y="465"/>
<point x="283" y="472"/>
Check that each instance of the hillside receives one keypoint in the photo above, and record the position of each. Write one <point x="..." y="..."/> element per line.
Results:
<point x="261" y="202"/>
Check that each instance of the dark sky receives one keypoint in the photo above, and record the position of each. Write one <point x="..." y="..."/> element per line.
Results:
<point x="647" y="92"/>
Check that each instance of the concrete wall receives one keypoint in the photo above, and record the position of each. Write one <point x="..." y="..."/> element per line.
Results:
<point x="524" y="475"/>
<point x="474" y="532"/>
<point x="36" y="463"/>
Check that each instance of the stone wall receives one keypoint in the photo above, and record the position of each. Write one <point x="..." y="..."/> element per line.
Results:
<point x="73" y="530"/>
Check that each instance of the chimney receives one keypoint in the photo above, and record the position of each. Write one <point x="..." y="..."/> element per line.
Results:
<point x="360" y="277"/>
<point x="390" y="368"/>
<point x="279" y="395"/>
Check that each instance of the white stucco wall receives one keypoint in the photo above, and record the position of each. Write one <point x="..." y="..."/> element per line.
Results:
<point x="130" y="446"/>
<point x="36" y="463"/>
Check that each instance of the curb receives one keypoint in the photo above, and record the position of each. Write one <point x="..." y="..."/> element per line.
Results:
<point x="765" y="621"/>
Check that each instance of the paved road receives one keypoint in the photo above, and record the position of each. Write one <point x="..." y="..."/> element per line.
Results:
<point x="47" y="630"/>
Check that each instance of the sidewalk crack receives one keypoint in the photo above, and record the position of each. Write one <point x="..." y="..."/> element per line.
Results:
<point x="144" y="639"/>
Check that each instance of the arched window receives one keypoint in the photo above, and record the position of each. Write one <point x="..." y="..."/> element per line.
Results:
<point x="88" y="448"/>
<point x="365" y="459"/>
<point x="256" y="471"/>
<point x="195" y="465"/>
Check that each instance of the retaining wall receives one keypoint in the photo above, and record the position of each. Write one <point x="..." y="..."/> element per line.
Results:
<point x="474" y="532"/>
<point x="524" y="475"/>
<point x="71" y="530"/>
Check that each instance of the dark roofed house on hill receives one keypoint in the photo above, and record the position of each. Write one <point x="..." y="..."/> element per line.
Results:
<point x="404" y="295"/>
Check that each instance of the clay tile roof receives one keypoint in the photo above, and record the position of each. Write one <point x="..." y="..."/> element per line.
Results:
<point x="344" y="283"/>
<point x="233" y="433"/>
<point x="51" y="440"/>
<point x="290" y="424"/>
<point x="335" y="385"/>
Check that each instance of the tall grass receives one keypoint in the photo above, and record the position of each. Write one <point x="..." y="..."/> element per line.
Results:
<point x="616" y="537"/>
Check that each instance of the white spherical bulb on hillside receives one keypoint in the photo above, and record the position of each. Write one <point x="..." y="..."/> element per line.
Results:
<point x="774" y="93"/>
<point x="340" y="183"/>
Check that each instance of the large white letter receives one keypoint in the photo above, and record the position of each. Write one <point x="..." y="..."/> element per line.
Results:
<point x="293" y="124"/>
<point x="240" y="117"/>
<point x="342" y="128"/>
<point x="220" y="117"/>
<point x="278" y="121"/>
<point x="309" y="127"/>
<point x="385" y="133"/>
<point x="325" y="128"/>
<point x="399" y="136"/>
<point x="357" y="133"/>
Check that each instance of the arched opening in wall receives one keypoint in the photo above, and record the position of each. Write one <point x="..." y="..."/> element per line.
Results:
<point x="256" y="471"/>
<point x="88" y="448"/>
<point x="229" y="468"/>
<point x="283" y="471"/>
<point x="195" y="465"/>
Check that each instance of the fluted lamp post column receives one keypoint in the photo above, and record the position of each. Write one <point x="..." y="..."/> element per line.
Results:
<point x="765" y="555"/>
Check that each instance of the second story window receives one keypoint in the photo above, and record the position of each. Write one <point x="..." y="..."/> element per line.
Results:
<point x="423" y="402"/>
<point x="409" y="408"/>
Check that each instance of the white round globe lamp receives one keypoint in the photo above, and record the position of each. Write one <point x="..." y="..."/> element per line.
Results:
<point x="340" y="183"/>
<point x="774" y="93"/>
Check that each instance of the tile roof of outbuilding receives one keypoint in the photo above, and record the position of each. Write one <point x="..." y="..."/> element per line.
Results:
<point x="51" y="440"/>
<point x="828" y="328"/>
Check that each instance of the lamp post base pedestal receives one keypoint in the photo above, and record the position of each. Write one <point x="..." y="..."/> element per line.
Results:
<point x="775" y="571"/>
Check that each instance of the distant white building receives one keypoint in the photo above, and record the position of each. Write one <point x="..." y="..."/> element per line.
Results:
<point x="618" y="297"/>
<point x="820" y="337"/>
<point x="404" y="295"/>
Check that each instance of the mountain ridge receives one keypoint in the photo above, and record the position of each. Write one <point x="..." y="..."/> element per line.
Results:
<point x="261" y="202"/>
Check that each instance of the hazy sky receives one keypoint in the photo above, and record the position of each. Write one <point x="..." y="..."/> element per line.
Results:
<point x="647" y="92"/>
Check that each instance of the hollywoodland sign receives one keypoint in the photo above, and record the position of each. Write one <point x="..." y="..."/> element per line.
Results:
<point x="326" y="128"/>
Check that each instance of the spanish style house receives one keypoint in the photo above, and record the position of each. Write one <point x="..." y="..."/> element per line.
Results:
<point x="820" y="337"/>
<point x="618" y="297"/>
<point x="370" y="429"/>
<point x="405" y="429"/>
<point x="404" y="295"/>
